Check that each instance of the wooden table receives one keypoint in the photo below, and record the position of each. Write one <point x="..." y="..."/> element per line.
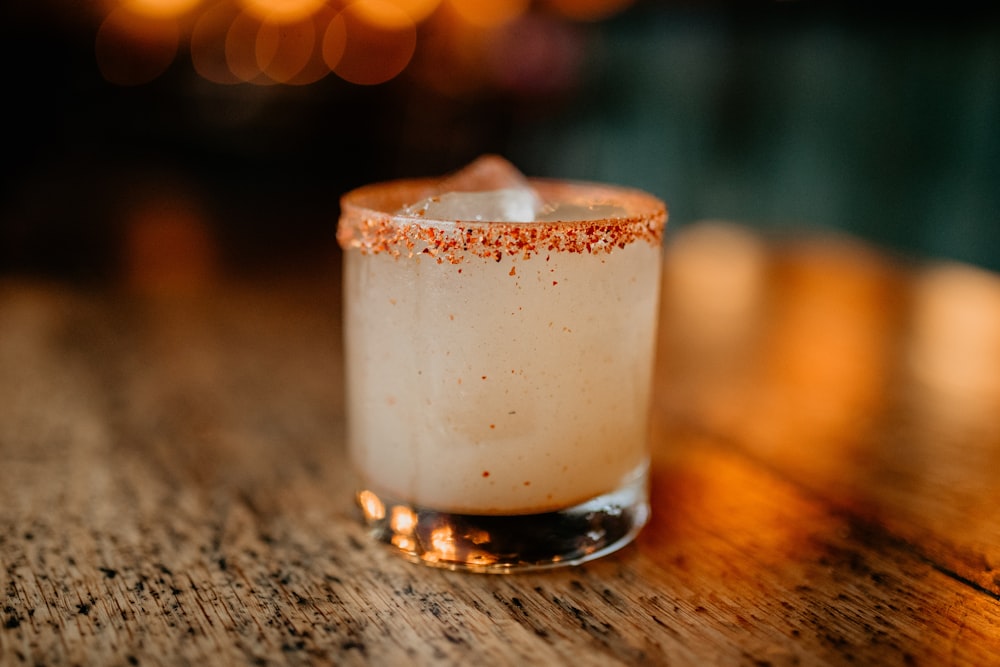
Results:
<point x="173" y="486"/>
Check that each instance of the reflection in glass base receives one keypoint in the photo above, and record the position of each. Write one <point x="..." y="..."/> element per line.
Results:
<point x="506" y="544"/>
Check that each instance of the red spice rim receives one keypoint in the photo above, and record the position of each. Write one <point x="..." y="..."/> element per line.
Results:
<point x="368" y="223"/>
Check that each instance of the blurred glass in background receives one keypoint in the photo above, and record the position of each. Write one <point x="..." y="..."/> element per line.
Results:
<point x="207" y="136"/>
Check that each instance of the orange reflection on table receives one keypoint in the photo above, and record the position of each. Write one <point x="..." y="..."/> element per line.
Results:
<point x="827" y="355"/>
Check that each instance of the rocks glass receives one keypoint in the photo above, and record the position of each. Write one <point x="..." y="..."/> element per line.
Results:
<point x="499" y="337"/>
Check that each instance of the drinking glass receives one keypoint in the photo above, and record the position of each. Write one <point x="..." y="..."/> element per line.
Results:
<point x="499" y="372"/>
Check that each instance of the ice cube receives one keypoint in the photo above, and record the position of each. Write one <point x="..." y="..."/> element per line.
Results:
<point x="489" y="189"/>
<point x="489" y="172"/>
<point x="506" y="205"/>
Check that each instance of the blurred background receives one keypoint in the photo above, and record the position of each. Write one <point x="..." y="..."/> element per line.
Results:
<point x="219" y="134"/>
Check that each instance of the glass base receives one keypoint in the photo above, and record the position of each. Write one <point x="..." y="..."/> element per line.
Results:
<point x="507" y="544"/>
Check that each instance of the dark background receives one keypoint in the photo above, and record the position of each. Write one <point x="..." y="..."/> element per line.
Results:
<point x="884" y="124"/>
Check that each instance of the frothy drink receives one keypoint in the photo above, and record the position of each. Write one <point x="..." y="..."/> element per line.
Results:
<point x="500" y="337"/>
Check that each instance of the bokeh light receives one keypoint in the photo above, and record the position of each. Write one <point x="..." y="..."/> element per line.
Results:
<point x="453" y="56"/>
<point x="133" y="49"/>
<point x="489" y="13"/>
<point x="208" y="44"/>
<point x="334" y="42"/>
<point x="828" y="352"/>
<point x="956" y="329"/>
<point x="160" y="8"/>
<point x="369" y="53"/>
<point x="395" y="13"/>
<point x="284" y="49"/>
<point x="466" y="45"/>
<point x="714" y="286"/>
<point x="282" y="11"/>
<point x="371" y="505"/>
<point x="241" y="49"/>
<point x="315" y="67"/>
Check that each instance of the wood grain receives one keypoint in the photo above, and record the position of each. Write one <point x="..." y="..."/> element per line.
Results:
<point x="173" y="488"/>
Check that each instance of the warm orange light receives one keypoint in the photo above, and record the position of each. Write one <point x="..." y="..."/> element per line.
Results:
<point x="371" y="505"/>
<point x="714" y="285"/>
<point x="394" y="14"/>
<point x="749" y="509"/>
<point x="334" y="42"/>
<point x="133" y="49"/>
<point x="404" y="542"/>
<point x="956" y="341"/>
<point x="442" y="544"/>
<point x="489" y="13"/>
<point x="161" y="8"/>
<point x="828" y="354"/>
<point x="403" y="520"/>
<point x="284" y="49"/>
<point x="208" y="44"/>
<point x="241" y="49"/>
<point x="315" y="67"/>
<point x="282" y="11"/>
<point x="588" y="10"/>
<point x="418" y="9"/>
<point x="363" y="53"/>
<point x="453" y="59"/>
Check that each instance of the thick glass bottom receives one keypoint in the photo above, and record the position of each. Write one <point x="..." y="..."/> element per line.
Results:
<point x="508" y="544"/>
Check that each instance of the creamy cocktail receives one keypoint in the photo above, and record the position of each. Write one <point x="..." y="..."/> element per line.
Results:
<point x="499" y="346"/>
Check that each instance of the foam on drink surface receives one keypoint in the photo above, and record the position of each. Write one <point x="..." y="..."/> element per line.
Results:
<point x="501" y="363"/>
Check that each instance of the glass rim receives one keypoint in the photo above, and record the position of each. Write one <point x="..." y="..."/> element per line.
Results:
<point x="369" y="222"/>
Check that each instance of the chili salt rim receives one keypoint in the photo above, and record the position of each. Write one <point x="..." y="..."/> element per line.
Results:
<point x="368" y="223"/>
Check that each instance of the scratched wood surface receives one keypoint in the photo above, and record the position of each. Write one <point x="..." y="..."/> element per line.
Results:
<point x="173" y="488"/>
